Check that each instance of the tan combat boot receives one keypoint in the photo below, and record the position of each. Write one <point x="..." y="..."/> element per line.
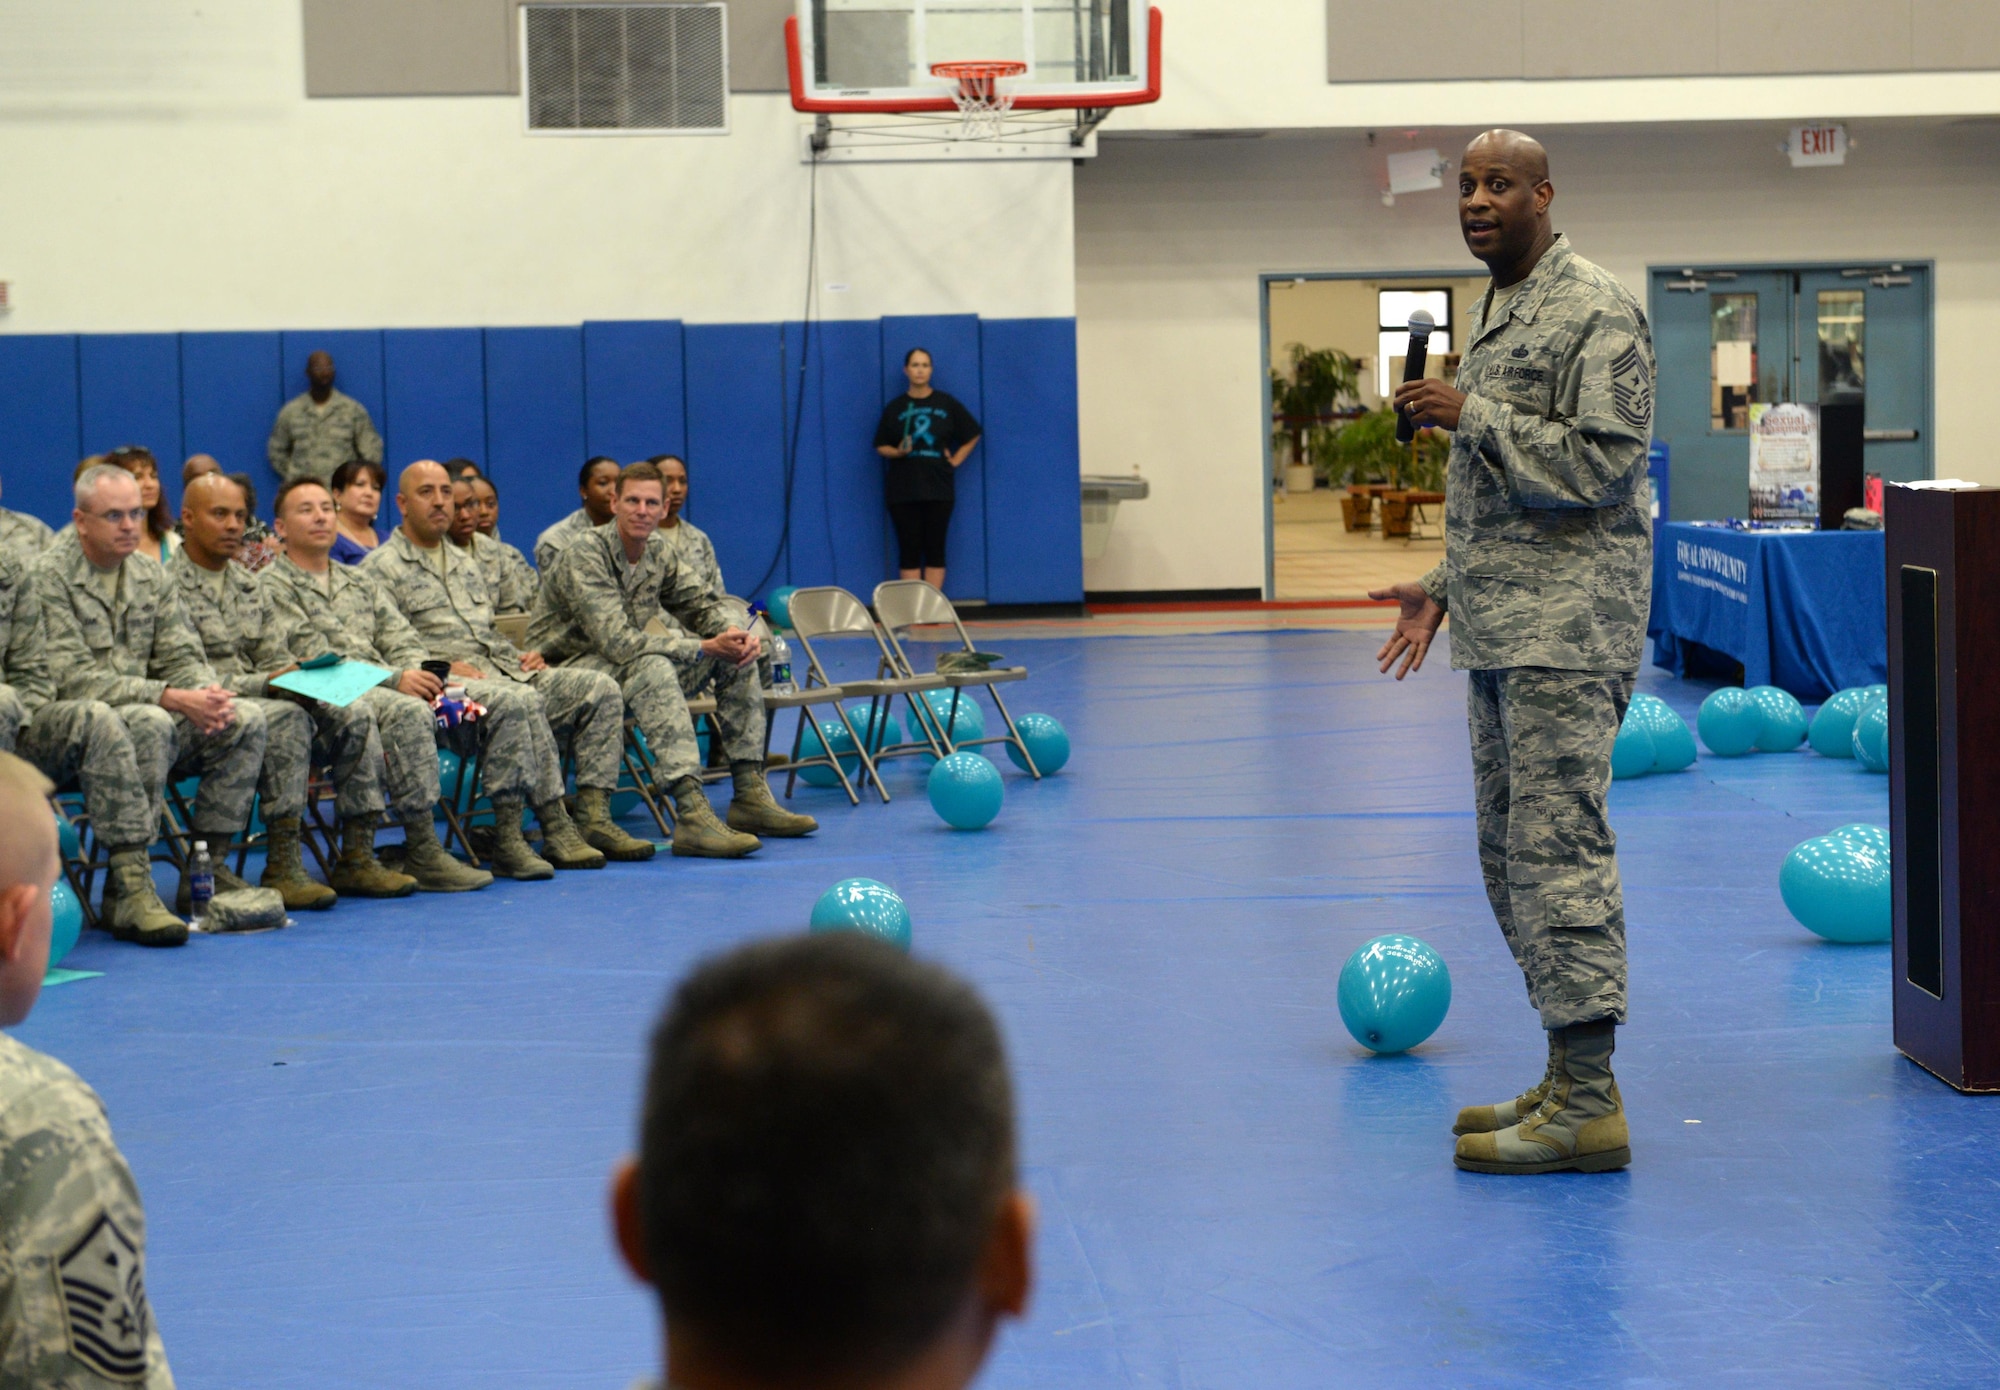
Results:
<point x="563" y="844"/>
<point x="594" y="823"/>
<point x="358" y="871"/>
<point x="425" y="860"/>
<point x="756" y="811"/>
<point x="698" y="834"/>
<point x="285" y="870"/>
<point x="1579" y="1125"/>
<point x="132" y="908"/>
<point x="1484" y="1119"/>
<point x="511" y="856"/>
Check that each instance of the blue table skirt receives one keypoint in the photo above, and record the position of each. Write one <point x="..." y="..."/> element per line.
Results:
<point x="1802" y="609"/>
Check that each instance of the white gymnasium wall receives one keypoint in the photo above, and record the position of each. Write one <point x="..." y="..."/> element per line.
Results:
<point x="1173" y="233"/>
<point x="165" y="171"/>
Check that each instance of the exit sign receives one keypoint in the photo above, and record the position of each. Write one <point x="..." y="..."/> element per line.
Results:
<point x="1812" y="145"/>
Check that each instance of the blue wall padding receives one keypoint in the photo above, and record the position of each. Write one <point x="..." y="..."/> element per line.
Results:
<point x="130" y="388"/>
<point x="634" y="403"/>
<point x="534" y="424"/>
<point x="1034" y="531"/>
<point x="357" y="363"/>
<point x="231" y="388"/>
<point x="736" y="413"/>
<point x="434" y="390"/>
<point x="40" y="424"/>
<point x="531" y="403"/>
<point x="953" y="342"/>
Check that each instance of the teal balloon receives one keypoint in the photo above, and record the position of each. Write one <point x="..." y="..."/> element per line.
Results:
<point x="1832" y="730"/>
<point x="966" y="723"/>
<point x="779" y="604"/>
<point x="1632" y="754"/>
<point x="1730" y="722"/>
<point x="866" y="906"/>
<point x="1784" y="719"/>
<point x="66" y="838"/>
<point x="65" y="921"/>
<point x="1394" y="992"/>
<point x="818" y="740"/>
<point x="1875" y="837"/>
<point x="1838" y="888"/>
<point x="1047" y="740"/>
<point x="1871" y="736"/>
<point x="1673" y="741"/>
<point x="885" y="732"/>
<point x="966" y="791"/>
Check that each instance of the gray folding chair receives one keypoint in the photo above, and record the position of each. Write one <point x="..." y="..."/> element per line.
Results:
<point x="904" y="604"/>
<point x="831" y="612"/>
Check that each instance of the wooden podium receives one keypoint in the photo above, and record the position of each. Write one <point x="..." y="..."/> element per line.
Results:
<point x="1944" y="778"/>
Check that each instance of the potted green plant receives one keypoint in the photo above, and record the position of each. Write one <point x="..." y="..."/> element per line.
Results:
<point x="1306" y="399"/>
<point x="1364" y="449"/>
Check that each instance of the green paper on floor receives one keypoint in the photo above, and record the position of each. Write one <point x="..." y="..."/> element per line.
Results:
<point x="58" y="976"/>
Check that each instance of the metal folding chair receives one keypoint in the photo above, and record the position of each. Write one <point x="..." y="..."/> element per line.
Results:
<point x="904" y="604"/>
<point x="81" y="869"/>
<point x="833" y="612"/>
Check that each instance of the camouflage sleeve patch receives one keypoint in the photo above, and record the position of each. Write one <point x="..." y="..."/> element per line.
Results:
<point x="1632" y="388"/>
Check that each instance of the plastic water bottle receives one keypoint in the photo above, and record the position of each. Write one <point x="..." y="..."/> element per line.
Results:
<point x="201" y="880"/>
<point x="781" y="665"/>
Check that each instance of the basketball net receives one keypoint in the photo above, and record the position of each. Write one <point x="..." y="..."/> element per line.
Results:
<point x="982" y="106"/>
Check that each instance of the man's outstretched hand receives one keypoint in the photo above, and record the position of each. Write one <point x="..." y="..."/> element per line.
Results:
<point x="1416" y="625"/>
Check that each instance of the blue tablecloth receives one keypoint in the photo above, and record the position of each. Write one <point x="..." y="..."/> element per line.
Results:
<point x="1800" y="609"/>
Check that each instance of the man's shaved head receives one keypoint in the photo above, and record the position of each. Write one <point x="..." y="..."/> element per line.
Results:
<point x="1523" y="152"/>
<point x="424" y="494"/>
<point x="29" y="863"/>
<point x="205" y="488"/>
<point x="1503" y="203"/>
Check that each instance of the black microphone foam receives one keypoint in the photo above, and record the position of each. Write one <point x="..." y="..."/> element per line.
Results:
<point x="1421" y="324"/>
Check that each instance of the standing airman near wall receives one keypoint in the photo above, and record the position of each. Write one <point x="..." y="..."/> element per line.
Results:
<point x="320" y="428"/>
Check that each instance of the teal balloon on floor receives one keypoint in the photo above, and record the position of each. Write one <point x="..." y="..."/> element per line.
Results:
<point x="1784" y="719"/>
<point x="1394" y="992"/>
<point x="1047" y="740"/>
<point x="65" y="921"/>
<point x="1875" y="837"/>
<point x="966" y="791"/>
<point x="863" y="905"/>
<point x="1673" y="741"/>
<point x="1871" y="735"/>
<point x="1831" y="733"/>
<point x="1838" y="888"/>
<point x="779" y="604"/>
<point x="828" y="735"/>
<point x="66" y="838"/>
<point x="965" y="723"/>
<point x="886" y="730"/>
<point x="1632" y="754"/>
<point x="1730" y="722"/>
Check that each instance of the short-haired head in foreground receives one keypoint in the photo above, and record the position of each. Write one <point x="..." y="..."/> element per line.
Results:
<point x="1503" y="203"/>
<point x="424" y="496"/>
<point x="285" y="491"/>
<point x="825" y="1192"/>
<point x="88" y="480"/>
<point x="641" y="505"/>
<point x="29" y="863"/>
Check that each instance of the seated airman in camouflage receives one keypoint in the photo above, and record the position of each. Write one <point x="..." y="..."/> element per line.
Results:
<point x="246" y="646"/>
<point x="117" y="633"/>
<point x="446" y="600"/>
<point x="81" y="740"/>
<point x="619" y="601"/>
<point x="512" y="564"/>
<point x="597" y="486"/>
<point x="319" y="606"/>
<point x="73" y="1308"/>
<point x="511" y="590"/>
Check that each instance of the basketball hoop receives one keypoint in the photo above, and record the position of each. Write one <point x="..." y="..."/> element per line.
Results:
<point x="982" y="106"/>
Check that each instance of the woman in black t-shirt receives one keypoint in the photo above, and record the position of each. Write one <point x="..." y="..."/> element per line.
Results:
<point x="924" y="434"/>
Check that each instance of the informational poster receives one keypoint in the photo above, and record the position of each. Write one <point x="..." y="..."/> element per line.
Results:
<point x="1784" y="463"/>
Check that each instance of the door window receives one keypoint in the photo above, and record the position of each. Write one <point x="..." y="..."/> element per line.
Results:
<point x="1842" y="319"/>
<point x="1732" y="360"/>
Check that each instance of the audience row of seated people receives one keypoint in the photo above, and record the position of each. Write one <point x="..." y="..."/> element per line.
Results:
<point x="122" y="672"/>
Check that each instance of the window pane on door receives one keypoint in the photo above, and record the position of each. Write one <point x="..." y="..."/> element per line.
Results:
<point x="1843" y="316"/>
<point x="1732" y="360"/>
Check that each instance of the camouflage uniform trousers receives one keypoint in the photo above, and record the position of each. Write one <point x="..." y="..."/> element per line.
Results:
<point x="1541" y="764"/>
<point x="407" y="734"/>
<point x="85" y="742"/>
<point x="587" y="717"/>
<point x="281" y="784"/>
<point x="228" y="762"/>
<point x="519" y="760"/>
<point x="657" y="690"/>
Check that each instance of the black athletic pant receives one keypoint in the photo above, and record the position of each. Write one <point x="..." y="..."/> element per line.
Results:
<point x="920" y="532"/>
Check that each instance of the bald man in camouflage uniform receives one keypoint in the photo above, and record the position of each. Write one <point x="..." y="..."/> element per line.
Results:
<point x="1547" y="576"/>
<point x="117" y="633"/>
<point x="620" y="601"/>
<point x="73" y="1308"/>
<point x="446" y="600"/>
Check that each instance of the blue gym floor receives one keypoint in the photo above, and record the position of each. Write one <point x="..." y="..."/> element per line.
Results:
<point x="373" y="1147"/>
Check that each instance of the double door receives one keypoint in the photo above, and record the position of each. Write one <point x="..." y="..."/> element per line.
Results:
<point x="1729" y="338"/>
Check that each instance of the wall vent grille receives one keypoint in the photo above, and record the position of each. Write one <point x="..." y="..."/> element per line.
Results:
<point x="626" y="69"/>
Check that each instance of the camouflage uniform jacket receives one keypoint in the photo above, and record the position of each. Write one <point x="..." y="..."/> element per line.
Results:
<point x="445" y="597"/>
<point x="595" y="600"/>
<point x="120" y="636"/>
<point x="24" y="657"/>
<point x="26" y="536"/>
<point x="233" y="617"/>
<point x="73" y="1309"/>
<point x="1548" y="544"/>
<point x="697" y="552"/>
<point x="510" y="579"/>
<point x="552" y="542"/>
<point x="352" y="616"/>
<point x="310" y="441"/>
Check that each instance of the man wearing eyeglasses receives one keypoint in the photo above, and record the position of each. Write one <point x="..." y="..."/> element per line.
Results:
<point x="117" y="632"/>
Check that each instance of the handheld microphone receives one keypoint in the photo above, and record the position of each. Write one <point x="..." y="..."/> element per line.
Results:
<point x="1421" y="324"/>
